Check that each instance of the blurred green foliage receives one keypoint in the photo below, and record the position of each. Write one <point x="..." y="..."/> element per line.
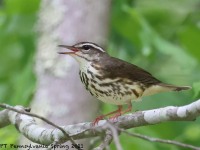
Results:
<point x="159" y="36"/>
<point x="17" y="49"/>
<point x="17" y="43"/>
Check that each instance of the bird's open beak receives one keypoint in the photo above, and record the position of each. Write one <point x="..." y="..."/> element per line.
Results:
<point x="73" y="49"/>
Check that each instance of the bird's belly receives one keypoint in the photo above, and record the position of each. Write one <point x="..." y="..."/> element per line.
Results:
<point x="112" y="91"/>
<point x="114" y="99"/>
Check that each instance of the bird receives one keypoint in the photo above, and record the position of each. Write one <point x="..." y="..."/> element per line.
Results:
<point x="113" y="80"/>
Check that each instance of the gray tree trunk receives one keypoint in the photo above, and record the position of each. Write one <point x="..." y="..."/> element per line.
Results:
<point x="60" y="96"/>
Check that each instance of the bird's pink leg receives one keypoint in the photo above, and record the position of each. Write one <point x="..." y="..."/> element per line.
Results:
<point x="118" y="111"/>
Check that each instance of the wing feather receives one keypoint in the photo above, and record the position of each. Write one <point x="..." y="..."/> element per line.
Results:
<point x="113" y="68"/>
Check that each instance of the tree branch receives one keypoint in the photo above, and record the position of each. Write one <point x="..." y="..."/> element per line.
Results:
<point x="106" y="141"/>
<point x="26" y="111"/>
<point x="148" y="138"/>
<point x="152" y="139"/>
<point x="27" y="125"/>
<point x="115" y="135"/>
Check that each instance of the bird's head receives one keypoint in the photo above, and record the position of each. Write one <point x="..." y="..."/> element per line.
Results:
<point x="84" y="51"/>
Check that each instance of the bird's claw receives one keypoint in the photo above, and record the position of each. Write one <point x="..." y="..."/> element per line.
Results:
<point x="96" y="121"/>
<point x="115" y="117"/>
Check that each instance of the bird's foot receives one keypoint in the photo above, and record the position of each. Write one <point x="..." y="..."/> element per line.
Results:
<point x="96" y="121"/>
<point x="115" y="117"/>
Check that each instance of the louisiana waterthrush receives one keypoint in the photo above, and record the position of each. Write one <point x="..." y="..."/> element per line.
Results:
<point x="112" y="80"/>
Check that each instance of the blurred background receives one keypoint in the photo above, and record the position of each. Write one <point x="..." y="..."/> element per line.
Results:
<point x="160" y="36"/>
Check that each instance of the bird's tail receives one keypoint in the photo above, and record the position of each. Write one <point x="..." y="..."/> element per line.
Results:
<point x="174" y="87"/>
<point x="163" y="87"/>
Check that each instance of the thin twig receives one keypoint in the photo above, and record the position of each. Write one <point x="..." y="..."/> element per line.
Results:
<point x="106" y="141"/>
<point x="152" y="139"/>
<point x="42" y="118"/>
<point x="115" y="135"/>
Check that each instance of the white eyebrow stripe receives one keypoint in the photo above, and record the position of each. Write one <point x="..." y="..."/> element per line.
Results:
<point x="93" y="45"/>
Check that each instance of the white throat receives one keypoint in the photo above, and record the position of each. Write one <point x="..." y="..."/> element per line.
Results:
<point x="83" y="63"/>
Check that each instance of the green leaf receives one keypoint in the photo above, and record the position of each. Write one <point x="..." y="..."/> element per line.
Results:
<point x="189" y="38"/>
<point x="196" y="89"/>
<point x="21" y="6"/>
<point x="24" y="86"/>
<point x="192" y="132"/>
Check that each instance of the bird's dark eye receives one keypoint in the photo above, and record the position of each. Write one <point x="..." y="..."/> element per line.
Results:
<point x="86" y="47"/>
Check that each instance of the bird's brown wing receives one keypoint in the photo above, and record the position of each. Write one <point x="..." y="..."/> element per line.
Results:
<point x="114" y="68"/>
